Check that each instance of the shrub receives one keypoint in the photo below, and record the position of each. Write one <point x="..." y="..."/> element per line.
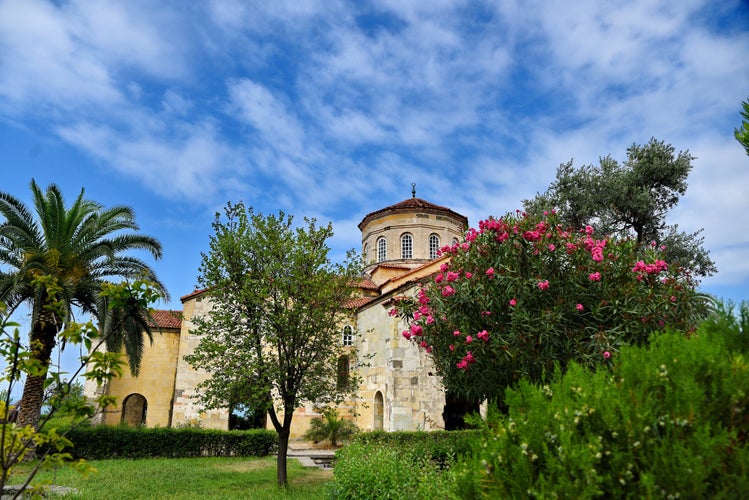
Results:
<point x="330" y="427"/>
<point x="105" y="442"/>
<point x="670" y="420"/>
<point x="398" y="464"/>
<point x="524" y="294"/>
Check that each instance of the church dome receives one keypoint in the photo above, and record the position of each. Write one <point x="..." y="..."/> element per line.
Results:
<point x="409" y="233"/>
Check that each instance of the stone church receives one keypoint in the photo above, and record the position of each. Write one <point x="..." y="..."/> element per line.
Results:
<point x="398" y="390"/>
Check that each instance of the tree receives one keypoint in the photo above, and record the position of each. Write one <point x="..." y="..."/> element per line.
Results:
<point x="524" y="295"/>
<point x="629" y="199"/>
<point x="44" y="446"/>
<point x="58" y="261"/>
<point x="742" y="134"/>
<point x="272" y="335"/>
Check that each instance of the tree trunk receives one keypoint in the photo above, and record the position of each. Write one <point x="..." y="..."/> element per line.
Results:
<point x="43" y="335"/>
<point x="283" y="447"/>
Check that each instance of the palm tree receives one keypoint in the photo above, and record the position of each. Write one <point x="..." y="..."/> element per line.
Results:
<point x="56" y="260"/>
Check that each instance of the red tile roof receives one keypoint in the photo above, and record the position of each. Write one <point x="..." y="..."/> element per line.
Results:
<point x="367" y="284"/>
<point x="358" y="302"/>
<point x="167" y="319"/>
<point x="191" y="295"/>
<point x="413" y="205"/>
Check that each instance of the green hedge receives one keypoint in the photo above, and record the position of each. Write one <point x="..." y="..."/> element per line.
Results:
<point x="105" y="442"/>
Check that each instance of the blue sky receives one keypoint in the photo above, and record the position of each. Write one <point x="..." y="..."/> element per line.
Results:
<point x="332" y="109"/>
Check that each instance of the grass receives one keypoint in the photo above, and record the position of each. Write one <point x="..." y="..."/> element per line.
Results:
<point x="187" y="478"/>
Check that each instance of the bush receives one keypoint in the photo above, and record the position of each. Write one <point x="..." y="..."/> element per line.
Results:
<point x="105" y="442"/>
<point x="330" y="427"/>
<point x="669" y="420"/>
<point x="398" y="464"/>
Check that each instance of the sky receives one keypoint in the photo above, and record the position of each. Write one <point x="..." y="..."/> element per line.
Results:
<point x="333" y="109"/>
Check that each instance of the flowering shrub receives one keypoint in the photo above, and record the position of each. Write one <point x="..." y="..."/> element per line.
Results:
<point x="522" y="294"/>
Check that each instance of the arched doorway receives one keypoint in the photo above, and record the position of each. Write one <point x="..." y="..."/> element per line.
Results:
<point x="379" y="412"/>
<point x="134" y="408"/>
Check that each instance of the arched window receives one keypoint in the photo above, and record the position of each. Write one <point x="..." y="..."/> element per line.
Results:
<point x="134" y="408"/>
<point x="379" y="412"/>
<point x="343" y="372"/>
<point x="348" y="335"/>
<point x="365" y="252"/>
<point x="382" y="250"/>
<point x="407" y="246"/>
<point x="434" y="245"/>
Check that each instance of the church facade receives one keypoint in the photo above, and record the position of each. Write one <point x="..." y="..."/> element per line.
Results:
<point x="398" y="389"/>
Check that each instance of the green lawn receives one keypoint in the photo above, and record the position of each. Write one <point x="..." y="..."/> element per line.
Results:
<point x="186" y="478"/>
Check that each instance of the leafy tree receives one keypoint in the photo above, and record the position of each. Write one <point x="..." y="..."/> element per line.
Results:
<point x="742" y="134"/>
<point x="56" y="260"/>
<point x="523" y="295"/>
<point x="44" y="446"/>
<point x="272" y="334"/>
<point x="630" y="199"/>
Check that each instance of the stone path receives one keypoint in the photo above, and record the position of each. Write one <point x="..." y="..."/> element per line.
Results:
<point x="311" y="457"/>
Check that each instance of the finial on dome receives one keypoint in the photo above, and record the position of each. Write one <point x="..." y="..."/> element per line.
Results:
<point x="413" y="190"/>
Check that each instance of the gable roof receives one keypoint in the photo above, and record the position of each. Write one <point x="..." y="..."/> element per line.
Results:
<point x="167" y="318"/>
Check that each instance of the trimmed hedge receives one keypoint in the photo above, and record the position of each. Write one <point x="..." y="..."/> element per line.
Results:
<point x="105" y="442"/>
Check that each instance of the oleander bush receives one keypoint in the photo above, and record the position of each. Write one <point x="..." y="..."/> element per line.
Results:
<point x="106" y="442"/>
<point x="666" y="420"/>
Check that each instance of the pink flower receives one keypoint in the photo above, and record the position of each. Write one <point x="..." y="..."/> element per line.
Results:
<point x="469" y="339"/>
<point x="456" y="333"/>
<point x="589" y="230"/>
<point x="543" y="285"/>
<point x="417" y="315"/>
<point x="452" y="276"/>
<point x="393" y="312"/>
<point x="452" y="347"/>
<point x="407" y="334"/>
<point x="579" y="307"/>
<point x="673" y="298"/>
<point x="486" y="313"/>
<point x="490" y="272"/>
<point x="606" y="354"/>
<point x="429" y="349"/>
<point x="595" y="277"/>
<point x="430" y="320"/>
<point x="438" y="279"/>
<point x="469" y="275"/>
<point x="462" y="365"/>
<point x="483" y="335"/>
<point x="513" y="302"/>
<point x="447" y="291"/>
<point x="417" y="330"/>
<point x="444" y="267"/>
<point x="552" y="248"/>
<point x="423" y="343"/>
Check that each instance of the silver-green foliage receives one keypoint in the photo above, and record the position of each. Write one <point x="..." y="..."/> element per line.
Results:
<point x="631" y="198"/>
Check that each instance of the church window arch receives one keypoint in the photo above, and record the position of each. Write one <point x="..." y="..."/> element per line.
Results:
<point x="434" y="245"/>
<point x="348" y="335"/>
<point x="407" y="246"/>
<point x="365" y="252"/>
<point x="382" y="249"/>
<point x="379" y="412"/>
